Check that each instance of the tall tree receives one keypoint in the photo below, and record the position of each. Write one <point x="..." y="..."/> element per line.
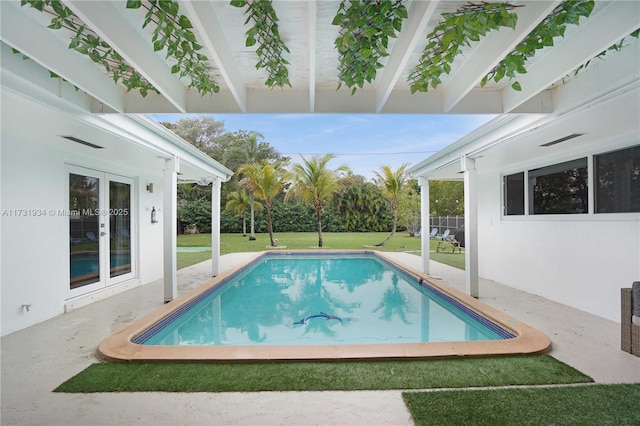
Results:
<point x="239" y="202"/>
<point x="392" y="184"/>
<point x="314" y="183"/>
<point x="266" y="181"/>
<point x="446" y="198"/>
<point x="246" y="148"/>
<point x="204" y="133"/>
<point x="409" y="207"/>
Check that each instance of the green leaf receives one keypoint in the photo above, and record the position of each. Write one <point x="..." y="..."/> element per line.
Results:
<point x="55" y="25"/>
<point x="250" y="42"/>
<point x="402" y="12"/>
<point x="238" y="3"/>
<point x="184" y="22"/>
<point x="337" y="20"/>
<point x="166" y="6"/>
<point x="175" y="69"/>
<point x="95" y="56"/>
<point x="134" y="4"/>
<point x="516" y="86"/>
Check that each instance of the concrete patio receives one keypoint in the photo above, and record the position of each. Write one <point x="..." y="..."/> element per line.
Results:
<point x="37" y="359"/>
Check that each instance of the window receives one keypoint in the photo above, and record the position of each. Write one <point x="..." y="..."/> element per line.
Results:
<point x="559" y="189"/>
<point x="514" y="194"/>
<point x="617" y="181"/>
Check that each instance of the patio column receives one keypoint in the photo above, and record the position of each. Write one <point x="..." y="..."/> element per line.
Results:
<point x="170" y="228"/>
<point x="425" y="244"/>
<point x="468" y="166"/>
<point x="215" y="227"/>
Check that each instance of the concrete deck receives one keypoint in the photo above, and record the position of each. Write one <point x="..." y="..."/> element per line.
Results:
<point x="39" y="358"/>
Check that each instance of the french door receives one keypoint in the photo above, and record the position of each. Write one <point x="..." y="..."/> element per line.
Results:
<point x="101" y="230"/>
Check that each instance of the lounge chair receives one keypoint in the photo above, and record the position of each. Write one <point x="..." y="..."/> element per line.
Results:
<point x="630" y="324"/>
<point x="444" y="236"/>
<point x="74" y="241"/>
<point x="433" y="233"/>
<point x="92" y="237"/>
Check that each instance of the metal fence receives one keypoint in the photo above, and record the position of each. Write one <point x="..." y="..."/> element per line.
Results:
<point x="443" y="223"/>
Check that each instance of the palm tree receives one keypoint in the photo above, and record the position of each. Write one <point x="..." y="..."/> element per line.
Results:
<point x="266" y="181"/>
<point x="239" y="202"/>
<point x="392" y="184"/>
<point x="315" y="184"/>
<point x="250" y="150"/>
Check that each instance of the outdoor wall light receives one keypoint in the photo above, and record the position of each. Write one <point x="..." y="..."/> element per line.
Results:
<point x="154" y="218"/>
<point x="150" y="187"/>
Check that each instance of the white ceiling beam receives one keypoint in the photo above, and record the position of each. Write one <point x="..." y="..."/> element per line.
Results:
<point x="39" y="44"/>
<point x="419" y="14"/>
<point x="313" y="17"/>
<point x="593" y="36"/>
<point x="205" y="21"/>
<point x="107" y="21"/>
<point x="28" y="79"/>
<point x="493" y="48"/>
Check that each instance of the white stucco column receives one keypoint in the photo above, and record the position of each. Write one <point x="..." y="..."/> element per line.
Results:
<point x="170" y="227"/>
<point x="215" y="227"/>
<point x="468" y="166"/>
<point x="425" y="209"/>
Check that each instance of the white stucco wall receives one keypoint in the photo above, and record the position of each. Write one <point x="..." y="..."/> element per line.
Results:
<point x="578" y="260"/>
<point x="34" y="175"/>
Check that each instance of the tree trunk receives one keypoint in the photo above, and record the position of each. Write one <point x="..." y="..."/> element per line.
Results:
<point x="244" y="225"/>
<point x="269" y="224"/>
<point x="393" y="230"/>
<point x="253" y="235"/>
<point x="319" y="224"/>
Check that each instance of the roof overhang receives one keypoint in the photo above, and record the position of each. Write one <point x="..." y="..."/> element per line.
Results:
<point x="609" y="111"/>
<point x="306" y="27"/>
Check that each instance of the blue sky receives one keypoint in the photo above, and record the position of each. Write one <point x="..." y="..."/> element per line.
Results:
<point x="364" y="142"/>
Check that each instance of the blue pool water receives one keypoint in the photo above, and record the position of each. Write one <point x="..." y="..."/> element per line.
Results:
<point x="295" y="299"/>
<point x="86" y="263"/>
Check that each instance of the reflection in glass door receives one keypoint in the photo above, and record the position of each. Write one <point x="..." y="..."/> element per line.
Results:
<point x="84" y="228"/>
<point x="119" y="228"/>
<point x="100" y="228"/>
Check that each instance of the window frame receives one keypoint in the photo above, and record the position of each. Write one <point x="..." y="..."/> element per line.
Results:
<point x="596" y="180"/>
<point x="592" y="214"/>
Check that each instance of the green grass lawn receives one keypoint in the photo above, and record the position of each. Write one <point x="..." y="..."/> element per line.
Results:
<point x="318" y="376"/>
<point x="572" y="405"/>
<point x="236" y="243"/>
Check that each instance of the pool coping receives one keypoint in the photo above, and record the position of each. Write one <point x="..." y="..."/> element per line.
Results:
<point x="119" y="347"/>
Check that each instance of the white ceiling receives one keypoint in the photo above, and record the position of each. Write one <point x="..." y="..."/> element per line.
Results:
<point x="306" y="28"/>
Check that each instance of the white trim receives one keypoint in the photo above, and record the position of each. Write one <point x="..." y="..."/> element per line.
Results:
<point x="95" y="296"/>
<point x="169" y="228"/>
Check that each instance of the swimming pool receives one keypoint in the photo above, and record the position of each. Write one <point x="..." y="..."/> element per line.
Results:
<point x="310" y="305"/>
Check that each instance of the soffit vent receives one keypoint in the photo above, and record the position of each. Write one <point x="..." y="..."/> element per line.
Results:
<point x="80" y="141"/>
<point x="566" y="138"/>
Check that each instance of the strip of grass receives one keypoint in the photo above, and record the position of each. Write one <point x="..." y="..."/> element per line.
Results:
<point x="236" y="243"/>
<point x="317" y="376"/>
<point x="573" y="405"/>
<point x="187" y="259"/>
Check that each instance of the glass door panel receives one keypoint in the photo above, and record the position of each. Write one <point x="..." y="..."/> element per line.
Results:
<point x="101" y="230"/>
<point x="84" y="230"/>
<point x="119" y="228"/>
